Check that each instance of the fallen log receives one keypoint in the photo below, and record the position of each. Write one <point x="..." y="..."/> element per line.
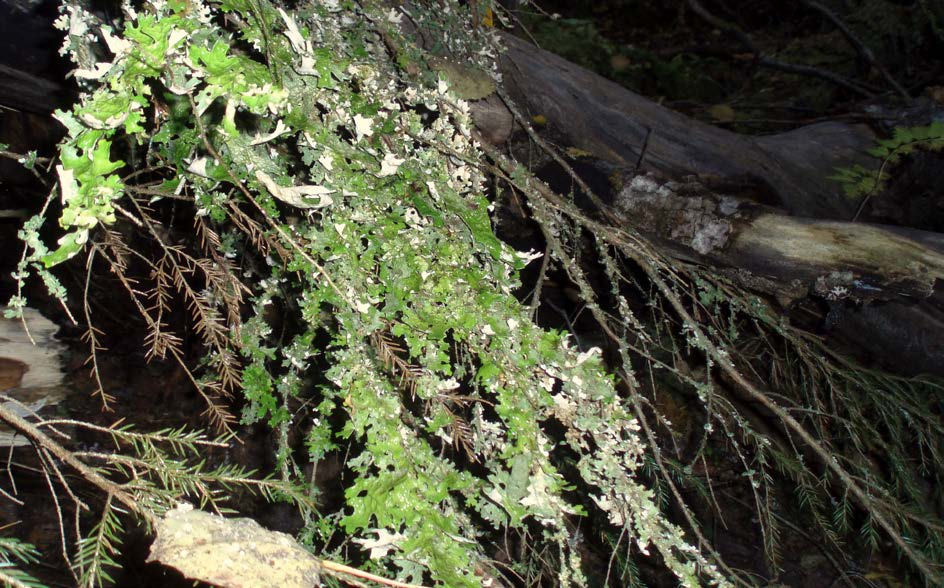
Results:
<point x="629" y="131"/>
<point x="781" y="230"/>
<point x="797" y="256"/>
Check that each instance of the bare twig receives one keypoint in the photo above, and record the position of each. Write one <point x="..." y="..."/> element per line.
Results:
<point x="34" y="434"/>
<point x="92" y="336"/>
<point x="48" y="464"/>
<point x="341" y="571"/>
<point x="542" y="273"/>
<point x="19" y="158"/>
<point x="762" y="60"/>
<point x="861" y="48"/>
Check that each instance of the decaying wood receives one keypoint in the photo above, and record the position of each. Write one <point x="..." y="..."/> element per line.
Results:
<point x="760" y="209"/>
<point x="31" y="373"/>
<point x="615" y="125"/>
<point x="798" y="256"/>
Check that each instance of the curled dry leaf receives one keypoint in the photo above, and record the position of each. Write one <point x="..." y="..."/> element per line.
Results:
<point x="297" y="196"/>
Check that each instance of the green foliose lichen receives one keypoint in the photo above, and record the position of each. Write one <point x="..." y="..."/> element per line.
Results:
<point x="367" y="198"/>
